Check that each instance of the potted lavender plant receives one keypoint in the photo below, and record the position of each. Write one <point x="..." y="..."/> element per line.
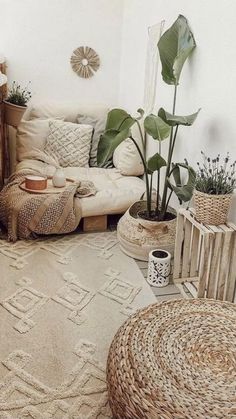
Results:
<point x="16" y="103"/>
<point x="215" y="183"/>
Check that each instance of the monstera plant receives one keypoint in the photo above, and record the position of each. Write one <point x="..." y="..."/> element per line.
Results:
<point x="175" y="46"/>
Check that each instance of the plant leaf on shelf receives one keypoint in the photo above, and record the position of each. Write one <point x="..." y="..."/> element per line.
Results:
<point x="173" y="120"/>
<point x="175" y="45"/>
<point x="156" y="127"/>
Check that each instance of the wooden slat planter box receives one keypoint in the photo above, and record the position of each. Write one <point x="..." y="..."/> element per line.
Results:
<point x="205" y="257"/>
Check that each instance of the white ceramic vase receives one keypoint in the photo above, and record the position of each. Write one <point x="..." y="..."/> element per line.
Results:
<point x="59" y="178"/>
<point x="159" y="268"/>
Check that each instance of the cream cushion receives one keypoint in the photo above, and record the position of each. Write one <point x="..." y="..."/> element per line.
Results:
<point x="69" y="143"/>
<point x="31" y="135"/>
<point x="98" y="125"/>
<point x="69" y="111"/>
<point x="127" y="159"/>
<point x="115" y="192"/>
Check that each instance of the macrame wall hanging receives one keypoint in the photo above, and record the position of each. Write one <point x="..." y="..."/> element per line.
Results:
<point x="85" y="62"/>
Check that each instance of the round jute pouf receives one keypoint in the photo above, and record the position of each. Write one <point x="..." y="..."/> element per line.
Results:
<point x="175" y="360"/>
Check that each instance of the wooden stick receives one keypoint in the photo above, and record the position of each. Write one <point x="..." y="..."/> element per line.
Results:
<point x="192" y="288"/>
<point x="178" y="245"/>
<point x="224" y="265"/>
<point x="186" y="249"/>
<point x="214" y="268"/>
<point x="203" y="272"/>
<point x="232" y="272"/>
<point x="188" y="279"/>
<point x="194" y="252"/>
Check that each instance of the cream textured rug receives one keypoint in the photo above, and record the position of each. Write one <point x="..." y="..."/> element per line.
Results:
<point x="61" y="302"/>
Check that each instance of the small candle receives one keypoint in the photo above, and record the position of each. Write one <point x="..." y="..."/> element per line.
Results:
<point x="34" y="182"/>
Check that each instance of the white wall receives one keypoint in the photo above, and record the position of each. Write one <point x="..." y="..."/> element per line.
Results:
<point x="38" y="37"/>
<point x="208" y="79"/>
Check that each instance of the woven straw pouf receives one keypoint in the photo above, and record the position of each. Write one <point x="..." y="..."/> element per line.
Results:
<point x="175" y="360"/>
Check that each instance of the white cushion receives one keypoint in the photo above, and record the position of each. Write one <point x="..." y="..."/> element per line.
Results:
<point x="69" y="142"/>
<point x="127" y="159"/>
<point x="99" y="127"/>
<point x="67" y="111"/>
<point x="31" y="135"/>
<point x="115" y="192"/>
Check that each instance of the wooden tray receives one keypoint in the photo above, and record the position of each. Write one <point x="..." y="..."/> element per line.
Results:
<point x="50" y="188"/>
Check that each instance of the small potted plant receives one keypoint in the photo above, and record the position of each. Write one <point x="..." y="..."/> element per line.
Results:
<point x="16" y="104"/>
<point x="215" y="183"/>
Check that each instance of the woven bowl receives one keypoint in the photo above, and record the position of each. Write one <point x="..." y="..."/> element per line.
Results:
<point x="212" y="209"/>
<point x="175" y="360"/>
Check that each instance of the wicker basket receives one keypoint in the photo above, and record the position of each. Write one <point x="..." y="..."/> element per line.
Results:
<point x="212" y="209"/>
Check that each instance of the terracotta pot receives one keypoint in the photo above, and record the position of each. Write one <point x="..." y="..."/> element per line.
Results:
<point x="138" y="237"/>
<point x="36" y="183"/>
<point x="13" y="113"/>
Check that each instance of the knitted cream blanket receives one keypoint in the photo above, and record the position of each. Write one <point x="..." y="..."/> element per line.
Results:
<point x="25" y="214"/>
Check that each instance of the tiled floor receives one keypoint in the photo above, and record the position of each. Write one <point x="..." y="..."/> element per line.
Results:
<point x="170" y="292"/>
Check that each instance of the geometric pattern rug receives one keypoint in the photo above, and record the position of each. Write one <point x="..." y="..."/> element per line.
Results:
<point x="62" y="299"/>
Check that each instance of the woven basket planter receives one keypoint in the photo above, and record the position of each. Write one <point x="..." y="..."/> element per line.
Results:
<point x="175" y="360"/>
<point x="212" y="209"/>
<point x="138" y="237"/>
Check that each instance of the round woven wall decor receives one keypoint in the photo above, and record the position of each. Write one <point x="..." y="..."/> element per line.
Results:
<point x="85" y="62"/>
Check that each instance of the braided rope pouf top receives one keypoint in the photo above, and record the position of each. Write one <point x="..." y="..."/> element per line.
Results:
<point x="175" y="360"/>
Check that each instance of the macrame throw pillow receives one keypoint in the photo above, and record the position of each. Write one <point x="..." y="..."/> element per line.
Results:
<point x="69" y="142"/>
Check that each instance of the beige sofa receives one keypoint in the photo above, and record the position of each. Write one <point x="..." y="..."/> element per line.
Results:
<point x="117" y="187"/>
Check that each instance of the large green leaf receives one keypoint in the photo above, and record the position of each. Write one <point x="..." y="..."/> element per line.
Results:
<point x="183" y="192"/>
<point x="176" y="174"/>
<point x="156" y="127"/>
<point x="118" y="119"/>
<point x="173" y="120"/>
<point x="108" y="143"/>
<point x="155" y="163"/>
<point x="175" y="45"/>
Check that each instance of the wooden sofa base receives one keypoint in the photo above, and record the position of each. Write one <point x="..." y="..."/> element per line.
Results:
<point x="95" y="223"/>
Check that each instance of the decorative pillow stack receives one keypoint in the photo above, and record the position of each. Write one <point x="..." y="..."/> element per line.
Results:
<point x="69" y="142"/>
